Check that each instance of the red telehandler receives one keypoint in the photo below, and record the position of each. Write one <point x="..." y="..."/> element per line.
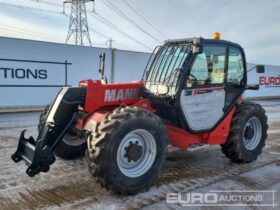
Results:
<point x="190" y="94"/>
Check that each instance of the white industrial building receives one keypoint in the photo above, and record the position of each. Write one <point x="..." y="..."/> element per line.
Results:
<point x="32" y="72"/>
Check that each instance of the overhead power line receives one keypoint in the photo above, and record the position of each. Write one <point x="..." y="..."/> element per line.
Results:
<point x="30" y="33"/>
<point x="27" y="32"/>
<point x="127" y="18"/>
<point x="108" y="24"/>
<point x="99" y="33"/>
<point x="47" y="2"/>
<point x="26" y="7"/>
<point x="144" y="19"/>
<point x="108" y="38"/>
<point x="117" y="29"/>
<point x="123" y="46"/>
<point x="97" y="16"/>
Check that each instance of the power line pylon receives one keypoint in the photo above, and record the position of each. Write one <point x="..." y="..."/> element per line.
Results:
<point x="78" y="24"/>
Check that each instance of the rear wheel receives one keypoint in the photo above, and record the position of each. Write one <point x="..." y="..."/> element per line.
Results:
<point x="248" y="133"/>
<point x="71" y="146"/>
<point x="127" y="150"/>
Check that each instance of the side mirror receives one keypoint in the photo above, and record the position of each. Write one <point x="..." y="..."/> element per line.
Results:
<point x="260" y="69"/>
<point x="252" y="87"/>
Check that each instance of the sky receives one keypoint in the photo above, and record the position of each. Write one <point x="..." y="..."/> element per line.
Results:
<point x="254" y="24"/>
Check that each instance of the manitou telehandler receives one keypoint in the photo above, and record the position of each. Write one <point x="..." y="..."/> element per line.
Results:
<point x="190" y="94"/>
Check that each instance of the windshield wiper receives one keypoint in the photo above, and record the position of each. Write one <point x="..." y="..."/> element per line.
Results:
<point x="172" y="74"/>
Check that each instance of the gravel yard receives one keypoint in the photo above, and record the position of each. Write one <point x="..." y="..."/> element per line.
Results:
<point x="68" y="185"/>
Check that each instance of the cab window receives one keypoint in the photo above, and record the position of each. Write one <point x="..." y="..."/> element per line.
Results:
<point x="208" y="67"/>
<point x="235" y="66"/>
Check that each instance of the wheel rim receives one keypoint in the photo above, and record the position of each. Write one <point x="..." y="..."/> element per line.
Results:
<point x="136" y="153"/>
<point x="73" y="140"/>
<point x="252" y="133"/>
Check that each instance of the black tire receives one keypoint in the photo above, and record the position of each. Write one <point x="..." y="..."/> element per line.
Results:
<point x="235" y="147"/>
<point x="106" y="138"/>
<point x="71" y="145"/>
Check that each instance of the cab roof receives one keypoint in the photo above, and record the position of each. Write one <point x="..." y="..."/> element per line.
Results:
<point x="200" y="40"/>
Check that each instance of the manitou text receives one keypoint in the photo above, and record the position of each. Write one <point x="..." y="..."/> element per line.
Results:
<point x="121" y="94"/>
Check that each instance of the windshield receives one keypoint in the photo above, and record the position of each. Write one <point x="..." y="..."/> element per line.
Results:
<point x="164" y="67"/>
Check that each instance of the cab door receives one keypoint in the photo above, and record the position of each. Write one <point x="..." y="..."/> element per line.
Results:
<point x="236" y="76"/>
<point x="202" y="100"/>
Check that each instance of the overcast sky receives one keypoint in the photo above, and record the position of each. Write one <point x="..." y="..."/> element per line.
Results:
<point x="255" y="24"/>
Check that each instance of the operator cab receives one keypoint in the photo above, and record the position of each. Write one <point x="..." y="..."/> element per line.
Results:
<point x="194" y="83"/>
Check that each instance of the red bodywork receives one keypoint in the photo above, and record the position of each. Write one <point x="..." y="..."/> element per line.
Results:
<point x="109" y="95"/>
<point x="104" y="98"/>
<point x="182" y="139"/>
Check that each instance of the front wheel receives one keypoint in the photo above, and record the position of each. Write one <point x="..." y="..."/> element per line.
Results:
<point x="71" y="146"/>
<point x="127" y="150"/>
<point x="248" y="133"/>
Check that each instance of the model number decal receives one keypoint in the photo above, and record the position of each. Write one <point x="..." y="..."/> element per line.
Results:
<point x="121" y="94"/>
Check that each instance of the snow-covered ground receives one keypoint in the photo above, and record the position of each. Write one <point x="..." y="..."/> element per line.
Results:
<point x="68" y="185"/>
